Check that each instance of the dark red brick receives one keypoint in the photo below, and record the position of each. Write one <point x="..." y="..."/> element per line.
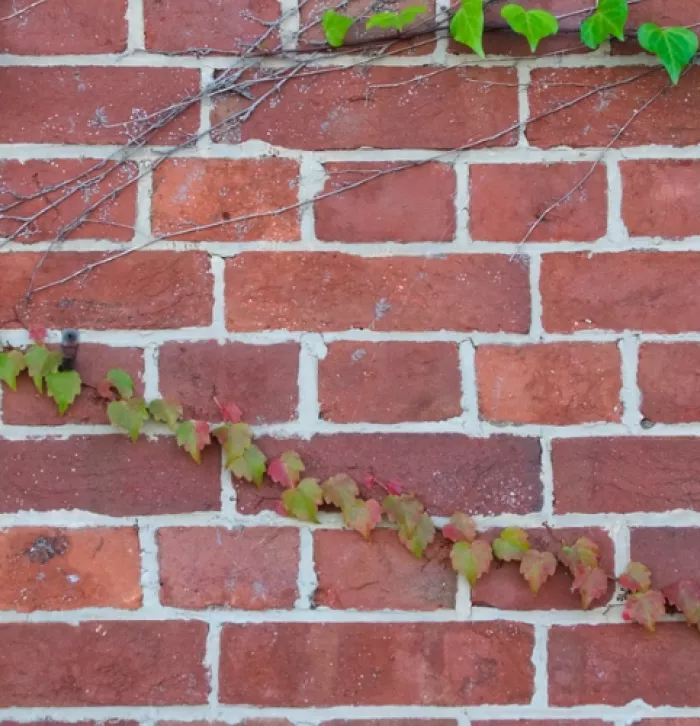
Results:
<point x="669" y="380"/>
<point x="671" y="553"/>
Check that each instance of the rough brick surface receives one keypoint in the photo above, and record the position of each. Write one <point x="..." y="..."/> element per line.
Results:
<point x="560" y="383"/>
<point x="672" y="553"/>
<point x="109" y="664"/>
<point x="55" y="569"/>
<point x="457" y="292"/>
<point x="300" y="664"/>
<point x="252" y="569"/>
<point x="390" y="382"/>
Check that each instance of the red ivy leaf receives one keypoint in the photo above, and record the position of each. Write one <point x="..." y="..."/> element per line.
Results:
<point x="286" y="470"/>
<point x="685" y="597"/>
<point x="471" y="559"/>
<point x="38" y="334"/>
<point x="363" y="516"/>
<point x="582" y="555"/>
<point x="636" y="578"/>
<point x="645" y="608"/>
<point x="231" y="412"/>
<point x="537" y="567"/>
<point x="461" y="528"/>
<point x="193" y="437"/>
<point x="393" y="487"/>
<point x="592" y="583"/>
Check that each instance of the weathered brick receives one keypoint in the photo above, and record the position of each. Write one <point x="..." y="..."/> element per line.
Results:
<point x="112" y="220"/>
<point x="505" y="588"/>
<point x="548" y="722"/>
<point x="141" y="290"/>
<point x="28" y="407"/>
<point x="669" y="380"/>
<point x="411" y="204"/>
<point x="616" y="664"/>
<point x="338" y="110"/>
<point x="648" y="291"/>
<point x="449" y="472"/>
<point x="248" y="569"/>
<point x="366" y="664"/>
<point x="658" y="199"/>
<point x="216" y="25"/>
<point x="671" y="553"/>
<point x="531" y="189"/>
<point x="668" y="722"/>
<point x="107" y="475"/>
<point x="93" y="104"/>
<point x="103" y="664"/>
<point x="626" y="474"/>
<point x="64" y="26"/>
<point x="193" y="192"/>
<point x="65" y="569"/>
<point x="393" y="722"/>
<point x="355" y="574"/>
<point x="389" y="382"/>
<point x="599" y="116"/>
<point x="107" y="722"/>
<point x="261" y="380"/>
<point x="458" y="292"/>
<point x="559" y="383"/>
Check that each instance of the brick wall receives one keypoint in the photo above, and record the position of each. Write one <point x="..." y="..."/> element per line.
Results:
<point x="398" y="328"/>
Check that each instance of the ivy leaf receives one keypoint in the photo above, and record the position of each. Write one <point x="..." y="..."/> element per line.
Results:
<point x="685" y="597"/>
<point x="512" y="544"/>
<point x="286" y="470"/>
<point x="167" y="411"/>
<point x="645" y="608"/>
<point x="461" y="528"/>
<point x="302" y="502"/>
<point x="122" y="382"/>
<point x="230" y="412"/>
<point x="636" y="578"/>
<point x="362" y="516"/>
<point x="417" y="539"/>
<point x="235" y="439"/>
<point x="471" y="559"/>
<point x="335" y="26"/>
<point x="250" y="466"/>
<point x="395" y="20"/>
<point x="467" y="25"/>
<point x="537" y="567"/>
<point x="533" y="24"/>
<point x="64" y="387"/>
<point x="41" y="362"/>
<point x="592" y="583"/>
<point x="12" y="364"/>
<point x="193" y="437"/>
<point x="582" y="555"/>
<point x="340" y="490"/>
<point x="128" y="415"/>
<point x="608" y="20"/>
<point x="675" y="47"/>
<point x="403" y="509"/>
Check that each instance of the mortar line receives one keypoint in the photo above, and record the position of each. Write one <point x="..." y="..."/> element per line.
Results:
<point x="150" y="580"/>
<point x="470" y="391"/>
<point x="540" y="695"/>
<point x="536" y="311"/>
<point x="617" y="231"/>
<point x="630" y="396"/>
<point x="307" y="581"/>
<point x="211" y="664"/>
<point x="136" y="35"/>
<point x="523" y="74"/>
<point x="461" y="201"/>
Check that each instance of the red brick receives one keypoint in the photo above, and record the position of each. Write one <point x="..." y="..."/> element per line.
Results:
<point x="112" y="220"/>
<point x="380" y="574"/>
<point x="504" y="587"/>
<point x="193" y="192"/>
<point x="531" y="189"/>
<point x="64" y="26"/>
<point x="626" y="474"/>
<point x="413" y="204"/>
<point x="142" y="290"/>
<point x="668" y="722"/>
<point x="449" y="472"/>
<point x="106" y="722"/>
<point x="28" y="407"/>
<point x="340" y="111"/>
<point x="65" y="569"/>
<point x="93" y="105"/>
<point x="615" y="664"/>
<point x="365" y="664"/>
<point x="672" y="553"/>
<point x="559" y="383"/>
<point x="658" y="198"/>
<point x="669" y="379"/>
<point x="648" y="291"/>
<point x="548" y="722"/>
<point x="103" y="664"/>
<point x="107" y="475"/>
<point x="596" y="120"/>
<point x="480" y="292"/>
<point x="261" y="380"/>
<point x="248" y="569"/>
<point x="390" y="382"/>
<point x="217" y="25"/>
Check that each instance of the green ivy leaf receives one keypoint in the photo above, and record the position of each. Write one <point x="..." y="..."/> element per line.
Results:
<point x="363" y="516"/>
<point x="467" y="25"/>
<point x="335" y="26"/>
<point x="41" y="362"/>
<point x="166" y="410"/>
<point x="122" y="382"/>
<point x="235" y="439"/>
<point x="340" y="490"/>
<point x="511" y="544"/>
<point x="471" y="559"/>
<point x="533" y="24"/>
<point x="675" y="47"/>
<point x="395" y="20"/>
<point x="12" y="364"/>
<point x="64" y="387"/>
<point x="250" y="466"/>
<point x="302" y="501"/>
<point x="193" y="437"/>
<point x="608" y="20"/>
<point x="286" y="470"/>
<point x="128" y="415"/>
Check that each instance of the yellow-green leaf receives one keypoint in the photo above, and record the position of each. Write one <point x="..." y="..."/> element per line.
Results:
<point x="675" y="47"/>
<point x="471" y="559"/>
<point x="41" y="362"/>
<point x="608" y="20"/>
<point x="167" y="411"/>
<point x="64" y="387"/>
<point x="301" y="502"/>
<point x="511" y="545"/>
<point x="12" y="364"/>
<point x="467" y="25"/>
<point x="250" y="466"/>
<point x="235" y="440"/>
<point x="193" y="437"/>
<point x="335" y="27"/>
<point x="122" y="382"/>
<point x="128" y="415"/>
<point x="395" y="20"/>
<point x="533" y="24"/>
